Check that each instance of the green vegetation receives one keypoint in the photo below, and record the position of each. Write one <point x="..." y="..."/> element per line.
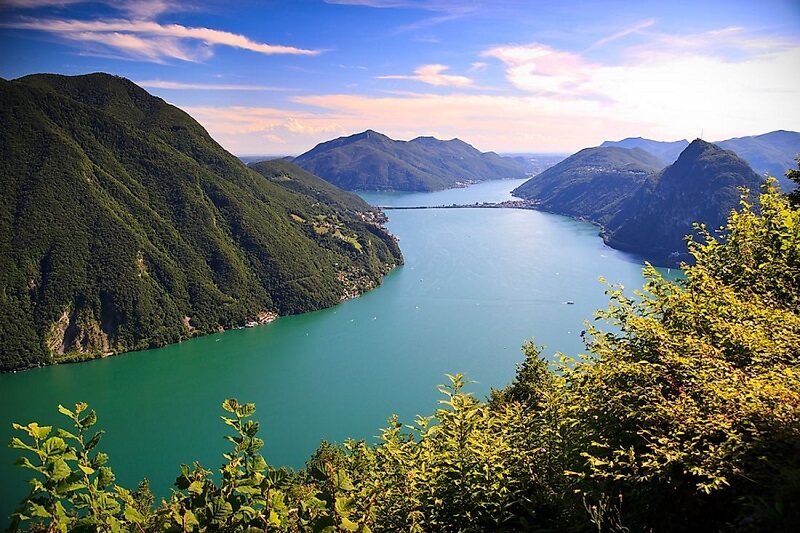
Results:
<point x="124" y="226"/>
<point x="641" y="210"/>
<point x="593" y="183"/>
<point x="371" y="161"/>
<point x="684" y="416"/>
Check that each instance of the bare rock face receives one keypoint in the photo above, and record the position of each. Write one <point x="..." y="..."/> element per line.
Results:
<point x="78" y="333"/>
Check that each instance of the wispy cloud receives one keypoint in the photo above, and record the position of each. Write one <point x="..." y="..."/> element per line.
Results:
<point x="163" y="84"/>
<point x="152" y="41"/>
<point x="427" y="5"/>
<point x="620" y="34"/>
<point x="432" y="75"/>
<point x="140" y="9"/>
<point x="445" y="10"/>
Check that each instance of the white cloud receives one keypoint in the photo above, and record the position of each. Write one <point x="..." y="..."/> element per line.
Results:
<point x="717" y="81"/>
<point x="152" y="41"/>
<point x="432" y="75"/>
<point x="672" y="87"/>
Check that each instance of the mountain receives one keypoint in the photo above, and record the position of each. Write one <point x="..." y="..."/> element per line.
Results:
<point x="641" y="208"/>
<point x="591" y="183"/>
<point x="124" y="225"/>
<point x="771" y="153"/>
<point x="667" y="152"/>
<point x="371" y="161"/>
<point x="701" y="186"/>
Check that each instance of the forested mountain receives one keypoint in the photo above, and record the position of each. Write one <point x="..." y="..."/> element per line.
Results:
<point x="124" y="225"/>
<point x="371" y="161"/>
<point x="640" y="209"/>
<point x="591" y="183"/>
<point x="703" y="185"/>
<point x="770" y="153"/>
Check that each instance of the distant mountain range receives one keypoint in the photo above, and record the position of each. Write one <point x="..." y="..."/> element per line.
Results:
<point x="371" y="161"/>
<point x="771" y="153"/>
<point x="640" y="208"/>
<point x="124" y="225"/>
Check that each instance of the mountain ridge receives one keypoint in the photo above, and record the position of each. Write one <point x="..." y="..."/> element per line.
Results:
<point x="372" y="161"/>
<point x="647" y="212"/>
<point x="124" y="225"/>
<point x="769" y="153"/>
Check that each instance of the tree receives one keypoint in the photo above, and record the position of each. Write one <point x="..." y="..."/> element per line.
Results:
<point x="794" y="175"/>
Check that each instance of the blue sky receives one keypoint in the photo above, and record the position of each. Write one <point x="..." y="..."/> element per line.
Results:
<point x="280" y="76"/>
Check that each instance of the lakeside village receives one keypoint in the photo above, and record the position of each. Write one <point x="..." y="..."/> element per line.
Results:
<point x="507" y="204"/>
<point x="264" y="317"/>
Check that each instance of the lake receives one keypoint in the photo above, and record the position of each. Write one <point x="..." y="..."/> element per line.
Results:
<point x="476" y="284"/>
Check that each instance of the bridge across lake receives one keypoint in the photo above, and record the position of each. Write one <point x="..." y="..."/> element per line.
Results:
<point x="508" y="204"/>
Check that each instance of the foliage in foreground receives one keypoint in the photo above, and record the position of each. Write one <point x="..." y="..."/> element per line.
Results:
<point x="685" y="416"/>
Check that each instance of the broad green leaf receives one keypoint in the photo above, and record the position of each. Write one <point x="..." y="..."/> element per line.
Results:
<point x="39" y="510"/>
<point x="88" y="421"/>
<point x="64" y="434"/>
<point x="348" y="525"/>
<point x="93" y="441"/>
<point x="17" y="443"/>
<point x="54" y="446"/>
<point x="230" y="405"/>
<point x="25" y="463"/>
<point x="39" y="432"/>
<point x="60" y="470"/>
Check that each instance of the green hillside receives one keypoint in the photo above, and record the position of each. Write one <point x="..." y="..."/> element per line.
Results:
<point x="641" y="209"/>
<point x="124" y="225"/>
<point x="592" y="183"/>
<point x="771" y="153"/>
<point x="703" y="185"/>
<point x="371" y="161"/>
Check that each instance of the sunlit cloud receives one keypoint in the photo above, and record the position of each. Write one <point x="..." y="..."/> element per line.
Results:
<point x="540" y="69"/>
<point x="176" y="85"/>
<point x="564" y="103"/>
<point x="247" y="130"/>
<point x="432" y="75"/>
<point x="711" y="80"/>
<point x="152" y="41"/>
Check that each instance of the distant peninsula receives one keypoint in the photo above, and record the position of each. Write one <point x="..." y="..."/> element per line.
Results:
<point x="640" y="208"/>
<point x="371" y="161"/>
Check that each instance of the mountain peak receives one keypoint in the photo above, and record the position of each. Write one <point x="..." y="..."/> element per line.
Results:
<point x="372" y="161"/>
<point x="148" y="231"/>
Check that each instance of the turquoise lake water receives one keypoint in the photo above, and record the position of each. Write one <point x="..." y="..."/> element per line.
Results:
<point x="476" y="284"/>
